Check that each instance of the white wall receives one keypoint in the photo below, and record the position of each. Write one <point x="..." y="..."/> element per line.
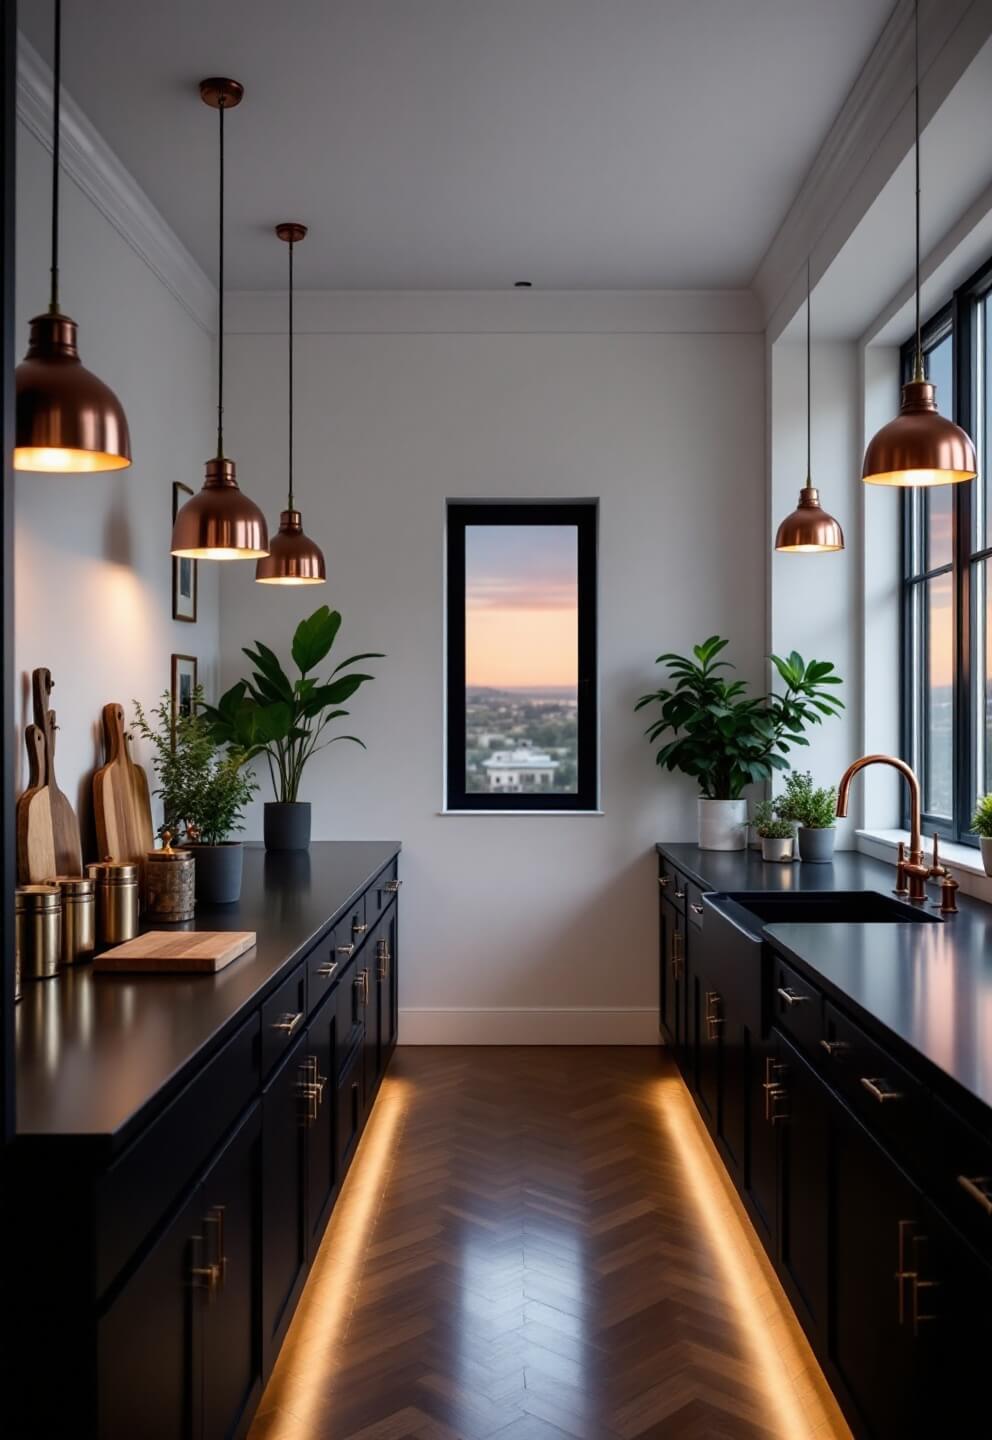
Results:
<point x="515" y="927"/>
<point x="93" y="572"/>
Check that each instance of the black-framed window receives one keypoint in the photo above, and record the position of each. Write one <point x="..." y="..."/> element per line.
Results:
<point x="521" y="656"/>
<point x="947" y="548"/>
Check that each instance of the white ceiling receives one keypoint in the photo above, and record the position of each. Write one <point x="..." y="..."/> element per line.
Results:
<point x="468" y="144"/>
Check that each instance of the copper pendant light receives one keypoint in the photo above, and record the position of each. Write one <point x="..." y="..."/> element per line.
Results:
<point x="809" y="528"/>
<point x="293" y="558"/>
<point x="220" y="522"/>
<point x="920" y="447"/>
<point x="68" y="420"/>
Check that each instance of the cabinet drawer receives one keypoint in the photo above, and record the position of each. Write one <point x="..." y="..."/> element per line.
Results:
<point x="134" y="1194"/>
<point x="962" y="1178"/>
<point x="324" y="966"/>
<point x="796" y="1005"/>
<point x="386" y="886"/>
<point x="694" y="904"/>
<point x="350" y="1101"/>
<point x="893" y="1105"/>
<point x="672" y="883"/>
<point x="284" y="1016"/>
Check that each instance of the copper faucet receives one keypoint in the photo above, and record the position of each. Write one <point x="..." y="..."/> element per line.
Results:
<point x="914" y="869"/>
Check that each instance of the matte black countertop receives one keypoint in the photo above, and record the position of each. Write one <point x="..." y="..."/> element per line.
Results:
<point x="97" y="1054"/>
<point x="930" y="986"/>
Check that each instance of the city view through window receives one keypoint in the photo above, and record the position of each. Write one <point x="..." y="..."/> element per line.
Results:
<point x="521" y="659"/>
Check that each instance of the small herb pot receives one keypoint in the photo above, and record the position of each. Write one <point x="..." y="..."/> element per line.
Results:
<point x="776" y="849"/>
<point x="218" y="872"/>
<point x="286" y="824"/>
<point x="816" y="846"/>
<point x="985" y="841"/>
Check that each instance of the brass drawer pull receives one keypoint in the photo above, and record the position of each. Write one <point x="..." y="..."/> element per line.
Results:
<point x="980" y="1190"/>
<point x="216" y="1218"/>
<point x="288" y="1023"/>
<point x="357" y="929"/>
<point x="878" y="1090"/>
<point x="680" y="894"/>
<point x="834" y="1047"/>
<point x="696" y="909"/>
<point x="346" y="949"/>
<point x="664" y="881"/>
<point x="391" y="886"/>
<point x="362" y="982"/>
<point x="791" y="998"/>
<point x="327" y="969"/>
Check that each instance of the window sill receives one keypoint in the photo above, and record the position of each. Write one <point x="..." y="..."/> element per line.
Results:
<point x="964" y="862"/>
<point x="512" y="814"/>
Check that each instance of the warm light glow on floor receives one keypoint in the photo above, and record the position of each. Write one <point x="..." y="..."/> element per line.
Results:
<point x="778" y="1349"/>
<point x="298" y="1386"/>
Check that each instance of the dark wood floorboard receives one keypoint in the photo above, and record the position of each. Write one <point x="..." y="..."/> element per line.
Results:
<point x="539" y="1244"/>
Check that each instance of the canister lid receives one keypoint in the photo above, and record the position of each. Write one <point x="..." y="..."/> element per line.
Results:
<point x="184" y="857"/>
<point x="37" y="897"/>
<point x="75" y="886"/>
<point x="117" y="872"/>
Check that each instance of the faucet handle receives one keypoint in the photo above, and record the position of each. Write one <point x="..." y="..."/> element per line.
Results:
<point x="936" y="868"/>
<point x="949" y="888"/>
<point x="901" y="887"/>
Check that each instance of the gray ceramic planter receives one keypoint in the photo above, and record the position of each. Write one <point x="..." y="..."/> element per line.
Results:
<point x="286" y="825"/>
<point x="985" y="842"/>
<point x="816" y="847"/>
<point x="218" y="872"/>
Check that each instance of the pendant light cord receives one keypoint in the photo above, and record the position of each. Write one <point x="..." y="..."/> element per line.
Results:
<point x="220" y="297"/>
<point x="53" y="304"/>
<point x="809" y="383"/>
<point x="918" y="364"/>
<point x="291" y="496"/>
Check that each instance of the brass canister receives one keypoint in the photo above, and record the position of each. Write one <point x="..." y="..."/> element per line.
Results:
<point x="78" y="917"/>
<point x="116" y="900"/>
<point x="38" y="931"/>
<point x="169" y="882"/>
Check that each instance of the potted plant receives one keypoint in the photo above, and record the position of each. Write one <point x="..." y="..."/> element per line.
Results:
<point x="204" y="792"/>
<point x="814" y="808"/>
<point x="776" y="835"/>
<point x="285" y="720"/>
<point x="724" y="739"/>
<point x="981" y="825"/>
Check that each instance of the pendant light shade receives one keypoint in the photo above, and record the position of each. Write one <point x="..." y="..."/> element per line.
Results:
<point x="220" y="522"/>
<point x="293" y="558"/>
<point x="67" y="420"/>
<point x="809" y="529"/>
<point x="919" y="447"/>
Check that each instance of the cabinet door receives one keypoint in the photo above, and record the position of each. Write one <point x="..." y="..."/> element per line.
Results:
<point x="284" y="1197"/>
<point x="799" y="1108"/>
<point x="708" y="1021"/>
<point x="388" y="987"/>
<point x="148" y="1341"/>
<point x="761" y="1169"/>
<point x="322" y="1149"/>
<point x="672" y="980"/>
<point x="349" y="1102"/>
<point x="370" y="1007"/>
<point x="230" y="1207"/>
<point x="952" y="1309"/>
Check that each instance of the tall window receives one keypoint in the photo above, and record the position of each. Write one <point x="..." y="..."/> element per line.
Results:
<point x="947" y="690"/>
<point x="521" y="656"/>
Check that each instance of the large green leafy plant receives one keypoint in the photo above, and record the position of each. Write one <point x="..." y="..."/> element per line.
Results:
<point x="204" y="790"/>
<point x="285" y="719"/>
<point x="724" y="739"/>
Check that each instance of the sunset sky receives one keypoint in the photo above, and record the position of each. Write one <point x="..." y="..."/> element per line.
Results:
<point x="521" y="605"/>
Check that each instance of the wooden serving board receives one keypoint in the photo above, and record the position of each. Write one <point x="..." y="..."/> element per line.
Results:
<point x="188" y="952"/>
<point x="35" y="839"/>
<point x="121" y="805"/>
<point x="57" y="817"/>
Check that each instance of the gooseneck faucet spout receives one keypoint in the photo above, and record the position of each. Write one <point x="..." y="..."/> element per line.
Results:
<point x="914" y="868"/>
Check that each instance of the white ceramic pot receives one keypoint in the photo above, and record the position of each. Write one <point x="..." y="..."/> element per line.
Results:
<point x="722" y="824"/>
<point x="985" y="841"/>
<point x="773" y="849"/>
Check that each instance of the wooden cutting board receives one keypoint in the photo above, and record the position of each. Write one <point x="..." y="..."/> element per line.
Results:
<point x="64" y="825"/>
<point x="121" y="803"/>
<point x="188" y="952"/>
<point x="35" y="839"/>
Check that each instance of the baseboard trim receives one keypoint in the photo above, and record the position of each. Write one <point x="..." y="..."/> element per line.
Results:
<point x="578" y="1025"/>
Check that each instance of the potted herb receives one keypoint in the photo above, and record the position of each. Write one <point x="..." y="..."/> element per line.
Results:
<point x="981" y="825"/>
<point x="775" y="833"/>
<point x="204" y="792"/>
<point x="285" y="720"/>
<point x="814" y="808"/>
<point x="726" y="740"/>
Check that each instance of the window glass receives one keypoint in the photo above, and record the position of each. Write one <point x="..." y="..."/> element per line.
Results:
<point x="939" y="703"/>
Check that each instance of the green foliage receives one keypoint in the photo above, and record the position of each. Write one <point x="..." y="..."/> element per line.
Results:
<point x="768" y="825"/>
<point x="204" y="792"/>
<point x="809" y="805"/>
<point x="284" y="719"/>
<point x="981" y="821"/>
<point x="724" y="739"/>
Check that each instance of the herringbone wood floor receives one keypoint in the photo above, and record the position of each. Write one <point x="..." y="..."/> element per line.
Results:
<point x="538" y="1244"/>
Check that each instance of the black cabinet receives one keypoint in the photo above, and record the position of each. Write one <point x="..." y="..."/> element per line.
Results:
<point x="386" y="974"/>
<point x="672" y="979"/>
<point x="320" y="1112"/>
<point x="284" y="1197"/>
<point x="368" y="966"/>
<point x="798" y="1108"/>
<point x="350" y="1105"/>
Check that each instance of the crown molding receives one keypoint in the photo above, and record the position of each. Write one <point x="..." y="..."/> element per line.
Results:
<point x="89" y="161"/>
<point x="871" y="135"/>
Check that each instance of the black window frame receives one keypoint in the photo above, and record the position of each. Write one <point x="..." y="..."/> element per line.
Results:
<point x="584" y="515"/>
<point x="959" y="318"/>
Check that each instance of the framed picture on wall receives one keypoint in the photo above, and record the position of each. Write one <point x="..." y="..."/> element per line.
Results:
<point x="184" y="577"/>
<point x="183" y="684"/>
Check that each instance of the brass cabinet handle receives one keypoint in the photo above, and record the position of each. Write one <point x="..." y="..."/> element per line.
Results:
<point x="311" y="1087"/>
<point x="918" y="1316"/>
<point x="834" y="1047"/>
<point x="775" y="1073"/>
<point x="288" y="1023"/>
<point x="357" y="929"/>
<point x="980" y="1190"/>
<point x="696" y="909"/>
<point x="876" y="1089"/>
<point x="713" y="1019"/>
<point x="328" y="968"/>
<point x="678" y="955"/>
<point x="664" y="881"/>
<point x="391" y="886"/>
<point x="680" y="894"/>
<point x="362" y="981"/>
<point x="346" y="949"/>
<point x="384" y="957"/>
<point x="902" y="1274"/>
<point x="216" y="1218"/>
<point x="790" y="997"/>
